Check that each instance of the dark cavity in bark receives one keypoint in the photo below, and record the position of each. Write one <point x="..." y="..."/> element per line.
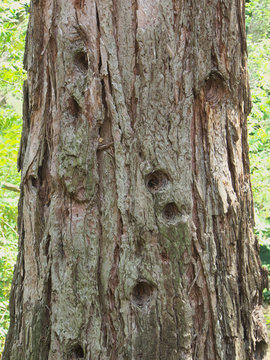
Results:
<point x="81" y="61"/>
<point x="156" y="181"/>
<point x="73" y="107"/>
<point x="77" y="352"/>
<point x="142" y="294"/>
<point x="214" y="88"/>
<point x="170" y="211"/>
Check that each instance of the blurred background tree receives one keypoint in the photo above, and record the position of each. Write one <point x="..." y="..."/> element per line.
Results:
<point x="13" y="24"/>
<point x="258" y="39"/>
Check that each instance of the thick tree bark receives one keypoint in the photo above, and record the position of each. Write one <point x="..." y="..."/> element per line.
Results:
<point x="136" y="209"/>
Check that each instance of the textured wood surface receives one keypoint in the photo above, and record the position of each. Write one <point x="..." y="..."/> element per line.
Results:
<point x="136" y="210"/>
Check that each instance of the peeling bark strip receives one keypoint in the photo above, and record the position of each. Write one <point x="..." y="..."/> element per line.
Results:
<point x="135" y="216"/>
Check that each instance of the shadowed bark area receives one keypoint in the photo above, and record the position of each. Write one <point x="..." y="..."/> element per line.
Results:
<point x="136" y="215"/>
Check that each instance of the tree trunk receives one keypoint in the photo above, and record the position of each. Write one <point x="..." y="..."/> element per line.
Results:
<point x="136" y="216"/>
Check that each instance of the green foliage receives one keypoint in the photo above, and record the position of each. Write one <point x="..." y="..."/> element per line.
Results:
<point x="265" y="258"/>
<point x="257" y="19"/>
<point x="258" y="38"/>
<point x="13" y="23"/>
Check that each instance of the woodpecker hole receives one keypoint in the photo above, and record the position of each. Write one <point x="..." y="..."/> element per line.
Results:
<point x="142" y="293"/>
<point x="164" y="257"/>
<point x="170" y="211"/>
<point x="77" y="352"/>
<point x="214" y="88"/>
<point x="156" y="181"/>
<point x="81" y="61"/>
<point x="73" y="107"/>
<point x="33" y="181"/>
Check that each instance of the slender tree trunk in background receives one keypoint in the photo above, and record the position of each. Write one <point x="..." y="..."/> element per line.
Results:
<point x="136" y="215"/>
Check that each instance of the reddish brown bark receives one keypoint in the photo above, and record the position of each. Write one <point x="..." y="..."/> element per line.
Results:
<point x="136" y="211"/>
